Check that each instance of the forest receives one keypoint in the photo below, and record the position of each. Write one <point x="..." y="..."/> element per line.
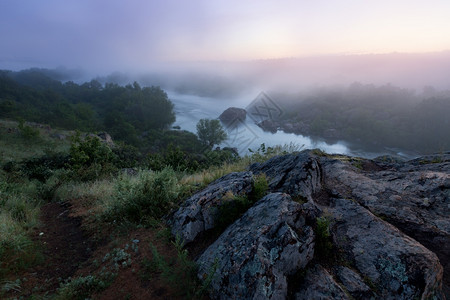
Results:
<point x="371" y="116"/>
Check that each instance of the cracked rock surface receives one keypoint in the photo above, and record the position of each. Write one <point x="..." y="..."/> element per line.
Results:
<point x="257" y="253"/>
<point x="388" y="226"/>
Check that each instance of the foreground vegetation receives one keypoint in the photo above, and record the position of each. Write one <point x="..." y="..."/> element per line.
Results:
<point x="115" y="194"/>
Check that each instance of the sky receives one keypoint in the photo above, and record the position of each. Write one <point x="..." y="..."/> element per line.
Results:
<point x="113" y="34"/>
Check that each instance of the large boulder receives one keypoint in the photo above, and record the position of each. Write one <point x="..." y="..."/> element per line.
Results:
<point x="233" y="115"/>
<point x="199" y="213"/>
<point x="259" y="251"/>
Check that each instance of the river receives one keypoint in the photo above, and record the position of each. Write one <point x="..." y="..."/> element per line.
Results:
<point x="189" y="109"/>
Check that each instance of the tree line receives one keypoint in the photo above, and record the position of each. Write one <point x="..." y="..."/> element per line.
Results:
<point x="126" y="112"/>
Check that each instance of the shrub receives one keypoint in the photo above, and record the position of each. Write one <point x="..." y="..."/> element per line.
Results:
<point x="90" y="158"/>
<point x="181" y="272"/>
<point x="26" y="131"/>
<point x="147" y="195"/>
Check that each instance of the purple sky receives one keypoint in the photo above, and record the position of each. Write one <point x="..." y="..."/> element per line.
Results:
<point x="137" y="34"/>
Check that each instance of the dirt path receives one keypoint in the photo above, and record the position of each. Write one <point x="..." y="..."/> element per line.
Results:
<point x="64" y="246"/>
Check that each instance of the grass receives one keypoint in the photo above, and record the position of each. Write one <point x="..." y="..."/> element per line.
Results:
<point x="19" y="215"/>
<point x="179" y="272"/>
<point x="323" y="242"/>
<point x="263" y="153"/>
<point x="14" y="146"/>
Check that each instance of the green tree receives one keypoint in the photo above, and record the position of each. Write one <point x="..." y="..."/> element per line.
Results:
<point x="210" y="132"/>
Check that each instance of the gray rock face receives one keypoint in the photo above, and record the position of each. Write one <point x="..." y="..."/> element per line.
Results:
<point x="389" y="227"/>
<point x="198" y="213"/>
<point x="257" y="253"/>
<point x="319" y="284"/>
<point x="354" y="284"/>
<point x="394" y="262"/>
<point x="414" y="196"/>
<point x="295" y="174"/>
<point x="232" y="115"/>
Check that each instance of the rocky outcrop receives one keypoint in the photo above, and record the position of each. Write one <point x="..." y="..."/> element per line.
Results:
<point x="298" y="175"/>
<point x="199" y="213"/>
<point x="398" y="266"/>
<point x="257" y="253"/>
<point x="387" y="224"/>
<point x="413" y="196"/>
<point x="232" y="115"/>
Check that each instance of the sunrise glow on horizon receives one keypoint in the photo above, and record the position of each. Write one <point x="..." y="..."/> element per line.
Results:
<point x="143" y="32"/>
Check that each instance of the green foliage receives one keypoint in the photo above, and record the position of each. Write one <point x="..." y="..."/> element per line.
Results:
<point x="260" y="187"/>
<point x="375" y="116"/>
<point x="126" y="112"/>
<point x="232" y="209"/>
<point x="175" y="158"/>
<point x="181" y="272"/>
<point x="210" y="132"/>
<point x="143" y="197"/>
<point x="264" y="153"/>
<point x="82" y="287"/>
<point x="19" y="215"/>
<point x="90" y="158"/>
<point x="26" y="131"/>
<point x="43" y="167"/>
<point x="323" y="244"/>
<point x="182" y="161"/>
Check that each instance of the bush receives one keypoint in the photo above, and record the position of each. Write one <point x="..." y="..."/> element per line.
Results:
<point x="142" y="197"/>
<point x="90" y="158"/>
<point x="26" y="131"/>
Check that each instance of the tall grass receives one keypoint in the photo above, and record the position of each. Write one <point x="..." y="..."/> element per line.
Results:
<point x="147" y="195"/>
<point x="263" y="153"/>
<point x="19" y="215"/>
<point x="15" y="147"/>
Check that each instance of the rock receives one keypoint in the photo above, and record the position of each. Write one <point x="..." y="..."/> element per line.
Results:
<point x="105" y="137"/>
<point x="319" y="284"/>
<point x="354" y="284"/>
<point x="413" y="196"/>
<point x="269" y="125"/>
<point x="389" y="227"/>
<point x="296" y="174"/>
<point x="257" y="253"/>
<point x="233" y="115"/>
<point x="398" y="266"/>
<point x="198" y="213"/>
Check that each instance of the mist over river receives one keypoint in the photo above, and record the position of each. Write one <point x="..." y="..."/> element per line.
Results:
<point x="189" y="109"/>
